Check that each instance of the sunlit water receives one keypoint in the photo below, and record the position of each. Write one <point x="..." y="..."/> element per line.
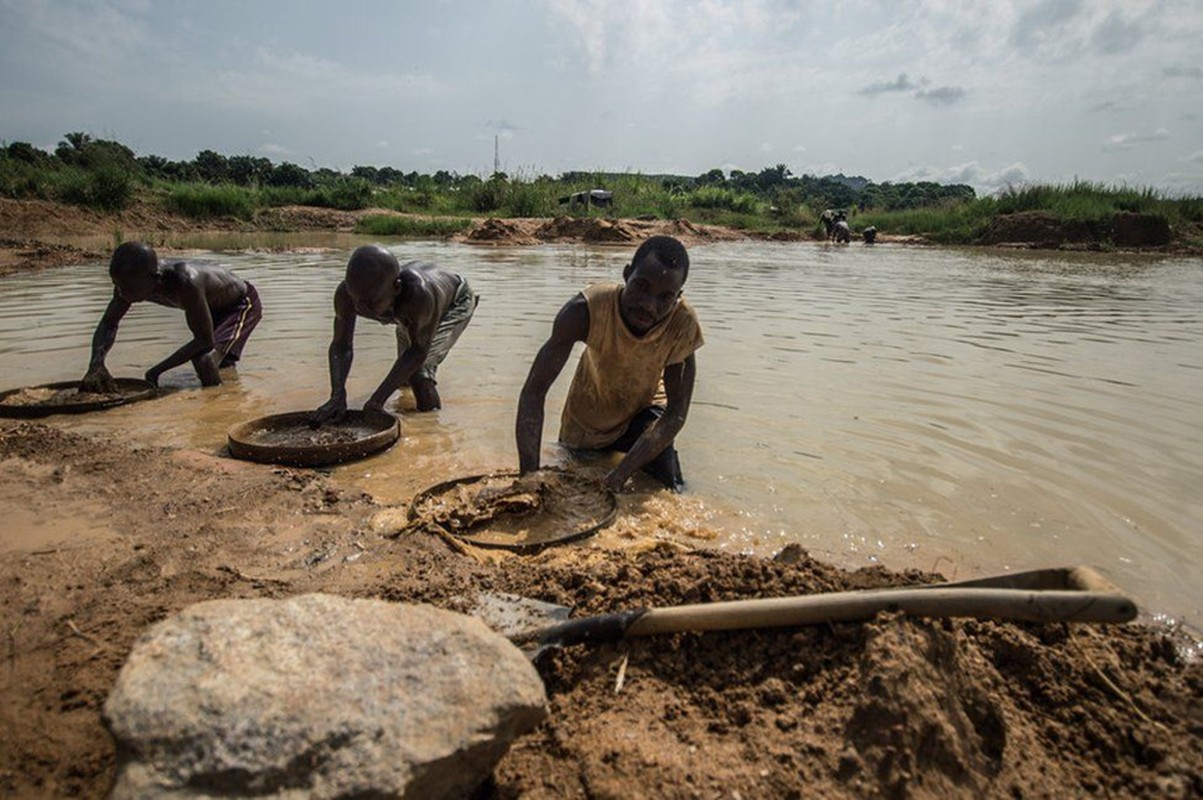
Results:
<point x="968" y="411"/>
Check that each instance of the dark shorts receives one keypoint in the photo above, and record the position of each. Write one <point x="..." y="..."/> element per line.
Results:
<point x="454" y="320"/>
<point x="232" y="328"/>
<point x="665" y="467"/>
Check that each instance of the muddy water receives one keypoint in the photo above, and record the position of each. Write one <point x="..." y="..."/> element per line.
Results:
<point x="971" y="412"/>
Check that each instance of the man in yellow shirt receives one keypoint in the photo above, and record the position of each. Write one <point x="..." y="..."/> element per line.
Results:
<point x="638" y="335"/>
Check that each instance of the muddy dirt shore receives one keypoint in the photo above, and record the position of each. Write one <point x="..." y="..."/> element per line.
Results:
<point x="105" y="539"/>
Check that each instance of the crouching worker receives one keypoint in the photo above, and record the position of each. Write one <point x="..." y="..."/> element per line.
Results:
<point x="430" y="307"/>
<point x="637" y="334"/>
<point x="221" y="310"/>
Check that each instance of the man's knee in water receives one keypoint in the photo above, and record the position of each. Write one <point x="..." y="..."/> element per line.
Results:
<point x="206" y="369"/>
<point x="426" y="394"/>
<point x="666" y="468"/>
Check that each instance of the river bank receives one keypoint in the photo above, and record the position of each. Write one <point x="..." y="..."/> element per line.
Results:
<point x="114" y="537"/>
<point x="36" y="234"/>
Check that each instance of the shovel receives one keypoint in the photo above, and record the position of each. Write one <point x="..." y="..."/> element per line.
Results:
<point x="1072" y="594"/>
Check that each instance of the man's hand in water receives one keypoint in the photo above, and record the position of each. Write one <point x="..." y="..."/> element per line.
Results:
<point x="152" y="377"/>
<point x="332" y="410"/>
<point x="613" y="482"/>
<point x="99" y="381"/>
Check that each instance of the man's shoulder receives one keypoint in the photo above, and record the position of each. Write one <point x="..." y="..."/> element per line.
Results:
<point x="604" y="292"/>
<point x="686" y="314"/>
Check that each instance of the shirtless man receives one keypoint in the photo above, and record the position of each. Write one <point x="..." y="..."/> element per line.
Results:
<point x="221" y="310"/>
<point x="637" y="335"/>
<point x="430" y="307"/>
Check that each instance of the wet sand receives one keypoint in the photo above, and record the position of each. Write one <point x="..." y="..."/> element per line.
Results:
<point x="895" y="707"/>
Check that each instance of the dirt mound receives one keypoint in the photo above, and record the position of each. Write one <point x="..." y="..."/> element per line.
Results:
<point x="501" y="231"/>
<point x="592" y="230"/>
<point x="1039" y="229"/>
<point x="892" y="708"/>
<point x="1140" y="230"/>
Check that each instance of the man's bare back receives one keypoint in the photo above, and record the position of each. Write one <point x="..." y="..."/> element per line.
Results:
<point x="430" y="307"/>
<point x="221" y="288"/>
<point x="209" y="295"/>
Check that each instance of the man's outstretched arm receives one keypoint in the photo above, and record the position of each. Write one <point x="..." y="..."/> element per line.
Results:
<point x="678" y="385"/>
<point x="98" y="378"/>
<point x="200" y="322"/>
<point x="403" y="369"/>
<point x="571" y="326"/>
<point x="340" y="355"/>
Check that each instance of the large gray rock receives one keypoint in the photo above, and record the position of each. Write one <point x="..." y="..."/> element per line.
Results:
<point x="317" y="696"/>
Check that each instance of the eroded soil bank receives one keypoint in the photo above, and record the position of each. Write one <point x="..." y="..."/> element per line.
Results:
<point x="113" y="538"/>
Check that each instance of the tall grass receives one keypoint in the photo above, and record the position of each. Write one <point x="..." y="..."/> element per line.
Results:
<point x="207" y="201"/>
<point x="720" y="197"/>
<point x="1082" y="200"/>
<point x="955" y="223"/>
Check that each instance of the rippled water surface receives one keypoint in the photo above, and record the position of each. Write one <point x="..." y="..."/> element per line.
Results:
<point x="968" y="411"/>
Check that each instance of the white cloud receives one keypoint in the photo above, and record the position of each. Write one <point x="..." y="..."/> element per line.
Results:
<point x="1127" y="141"/>
<point x="1196" y="157"/>
<point x="920" y="90"/>
<point x="972" y="173"/>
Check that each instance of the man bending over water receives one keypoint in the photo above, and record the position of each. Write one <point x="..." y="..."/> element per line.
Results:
<point x="637" y="334"/>
<point x="221" y="310"/>
<point x="430" y="307"/>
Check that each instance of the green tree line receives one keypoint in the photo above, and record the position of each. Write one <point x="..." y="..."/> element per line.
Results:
<point x="108" y="175"/>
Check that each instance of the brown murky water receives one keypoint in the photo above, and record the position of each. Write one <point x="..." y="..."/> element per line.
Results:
<point x="968" y="411"/>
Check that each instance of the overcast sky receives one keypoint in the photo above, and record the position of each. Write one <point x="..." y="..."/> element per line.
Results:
<point x="984" y="92"/>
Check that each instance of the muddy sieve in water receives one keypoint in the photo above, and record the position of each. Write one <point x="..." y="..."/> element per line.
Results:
<point x="503" y="510"/>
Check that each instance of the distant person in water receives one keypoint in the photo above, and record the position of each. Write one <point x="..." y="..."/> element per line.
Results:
<point x="221" y="310"/>
<point x="431" y="307"/>
<point x="638" y="335"/>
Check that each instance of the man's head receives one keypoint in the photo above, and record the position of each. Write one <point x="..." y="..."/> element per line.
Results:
<point x="654" y="279"/>
<point x="373" y="281"/>
<point x="134" y="269"/>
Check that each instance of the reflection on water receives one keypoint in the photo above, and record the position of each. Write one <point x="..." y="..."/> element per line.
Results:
<point x="967" y="411"/>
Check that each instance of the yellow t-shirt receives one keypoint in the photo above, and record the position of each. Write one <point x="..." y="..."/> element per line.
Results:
<point x="619" y="372"/>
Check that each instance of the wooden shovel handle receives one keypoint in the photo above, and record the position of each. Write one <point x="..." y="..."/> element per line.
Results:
<point x="1015" y="604"/>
